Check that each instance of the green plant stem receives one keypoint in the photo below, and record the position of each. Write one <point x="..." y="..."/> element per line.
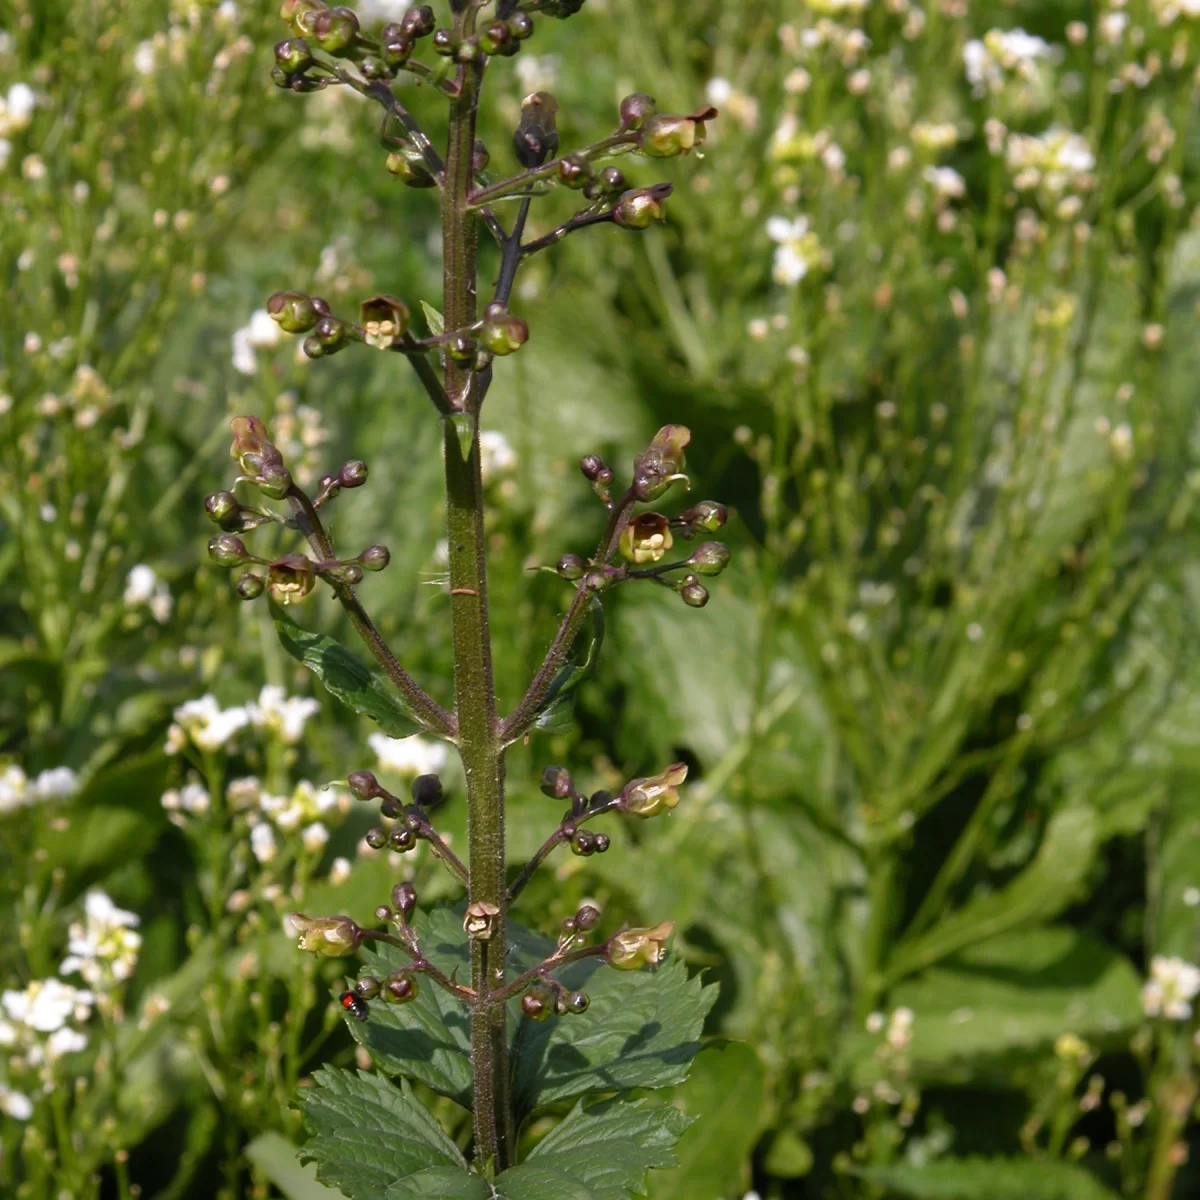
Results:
<point x="479" y="744"/>
<point x="431" y="714"/>
<point x="521" y="717"/>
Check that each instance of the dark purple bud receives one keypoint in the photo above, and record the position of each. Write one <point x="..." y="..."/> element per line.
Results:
<point x="224" y="509"/>
<point x="228" y="550"/>
<point x="383" y="913"/>
<point x="583" y="844"/>
<point x="353" y="474"/>
<point x="427" y="791"/>
<point x="636" y="110"/>
<point x="445" y="42"/>
<point x="497" y="38"/>
<point x="521" y="25"/>
<point x="335" y="30"/>
<point x="611" y="179"/>
<point x="557" y="783"/>
<point x="394" y="45"/>
<point x="693" y="592"/>
<point x="574" y="171"/>
<point x="593" y="468"/>
<point x="601" y="842"/>
<point x="418" y="21"/>
<point x="571" y="566"/>
<point x="402" y="840"/>
<point x="598" y="579"/>
<point x="376" y="838"/>
<point x="586" y="917"/>
<point x="364" y="784"/>
<point x="536" y="137"/>
<point x="661" y="463"/>
<point x="538" y="1003"/>
<point x="479" y="157"/>
<point x="401" y="987"/>
<point x="250" y="586"/>
<point x="404" y="897"/>
<point x="375" y="558"/>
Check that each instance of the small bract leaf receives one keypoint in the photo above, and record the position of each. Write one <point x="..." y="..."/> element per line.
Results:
<point x="434" y="319"/>
<point x="464" y="427"/>
<point x="558" y="707"/>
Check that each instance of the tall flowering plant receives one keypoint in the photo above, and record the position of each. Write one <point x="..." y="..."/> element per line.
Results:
<point x="495" y="1018"/>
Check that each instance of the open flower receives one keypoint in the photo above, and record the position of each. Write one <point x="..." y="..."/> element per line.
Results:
<point x="648" y="797"/>
<point x="327" y="937"/>
<point x="632" y="949"/>
<point x="1171" y="988"/>
<point x="103" y="948"/>
<point x="282" y="714"/>
<point x="205" y="723"/>
<point x="798" y="249"/>
<point x="262" y="333"/>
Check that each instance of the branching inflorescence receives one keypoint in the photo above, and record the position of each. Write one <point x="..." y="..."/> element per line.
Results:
<point x="453" y="363"/>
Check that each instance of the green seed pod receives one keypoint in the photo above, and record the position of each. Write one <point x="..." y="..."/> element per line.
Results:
<point x="294" y="312"/>
<point x="502" y="333"/>
<point x="228" y="550"/>
<point x="461" y="348"/>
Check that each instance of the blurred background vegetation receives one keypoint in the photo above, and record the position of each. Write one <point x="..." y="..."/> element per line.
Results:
<point x="928" y="304"/>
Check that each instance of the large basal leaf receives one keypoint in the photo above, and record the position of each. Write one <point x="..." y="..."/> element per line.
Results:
<point x="990" y="1179"/>
<point x="345" y="677"/>
<point x="554" y="716"/>
<point x="368" y="1133"/>
<point x="641" y="1030"/>
<point x="726" y="1095"/>
<point x="1007" y="999"/>
<point x="1040" y="892"/>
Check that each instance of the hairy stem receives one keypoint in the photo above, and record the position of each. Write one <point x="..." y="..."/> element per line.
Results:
<point x="479" y="744"/>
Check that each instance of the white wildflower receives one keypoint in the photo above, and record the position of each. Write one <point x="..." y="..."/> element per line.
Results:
<point x="496" y="455"/>
<point x="339" y="871"/>
<point x="14" y="789"/>
<point x="899" y="1030"/>
<point x="104" y="948"/>
<point x="15" y="1104"/>
<point x="262" y="843"/>
<point x="946" y="182"/>
<point x="144" y="58"/>
<point x="798" y="250"/>
<point x="206" y="723"/>
<point x="262" y="333"/>
<point x="16" y="108"/>
<point x="314" y="837"/>
<point x="408" y="756"/>
<point x="1002" y="54"/>
<point x="65" y="1041"/>
<point x="47" y="1005"/>
<point x="1171" y="988"/>
<point x="282" y="714"/>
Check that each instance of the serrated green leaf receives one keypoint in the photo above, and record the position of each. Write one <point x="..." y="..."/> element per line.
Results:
<point x="1005" y="999"/>
<point x="345" y="677"/>
<point x="369" y="1133"/>
<point x="434" y="319"/>
<point x="601" y="1153"/>
<point x="464" y="429"/>
<point x="441" y="1183"/>
<point x="1038" y="893"/>
<point x="279" y="1161"/>
<point x="555" y="714"/>
<point x="641" y="1030"/>
<point x="990" y="1179"/>
<point x="726" y="1095"/>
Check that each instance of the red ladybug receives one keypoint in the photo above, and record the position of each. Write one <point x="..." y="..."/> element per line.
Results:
<point x="355" y="1004"/>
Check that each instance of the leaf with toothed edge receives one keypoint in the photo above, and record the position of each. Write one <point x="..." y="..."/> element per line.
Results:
<point x="345" y="677"/>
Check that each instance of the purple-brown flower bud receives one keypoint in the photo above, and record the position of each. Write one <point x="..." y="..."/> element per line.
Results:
<point x="250" y="586"/>
<point x="328" y="937"/>
<point x="364" y="784"/>
<point x="649" y="797"/>
<point x="376" y="837"/>
<point x="536" y="137"/>
<point x="404" y="897"/>
<point x="427" y="791"/>
<point x="593" y="468"/>
<point x="522" y="25"/>
<point x="586" y="917"/>
<point x="224" y="509"/>
<point x="661" y="463"/>
<point x="707" y="515"/>
<point x="335" y="30"/>
<point x="502" y="333"/>
<point x="418" y="21"/>
<point x="394" y="46"/>
<point x="251" y="444"/>
<point x="538" y="1003"/>
<point x="666" y="136"/>
<point x="557" y="783"/>
<point x="290" y="578"/>
<point x="402" y="840"/>
<point x="353" y="474"/>
<point x="367" y="988"/>
<point x="293" y="56"/>
<point x="639" y="208"/>
<point x="228" y="550"/>
<point x="574" y="171"/>
<point x="693" y="593"/>
<point x="384" y="320"/>
<point x="375" y="558"/>
<point x="646" y="538"/>
<point x="635" y="948"/>
<point x="400" y="988"/>
<point x="709" y="558"/>
<point x="497" y="38"/>
<point x="636" y="110"/>
<point x="274" y="479"/>
<point x="570" y="566"/>
<point x="445" y="42"/>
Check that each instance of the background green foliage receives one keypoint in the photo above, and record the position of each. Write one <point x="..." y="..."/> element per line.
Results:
<point x="940" y="712"/>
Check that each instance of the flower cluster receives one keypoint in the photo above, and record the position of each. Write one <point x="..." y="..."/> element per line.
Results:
<point x="209" y="727"/>
<point x="1171" y="988"/>
<point x="104" y="947"/>
<point x="144" y="588"/>
<point x="17" y="790"/>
